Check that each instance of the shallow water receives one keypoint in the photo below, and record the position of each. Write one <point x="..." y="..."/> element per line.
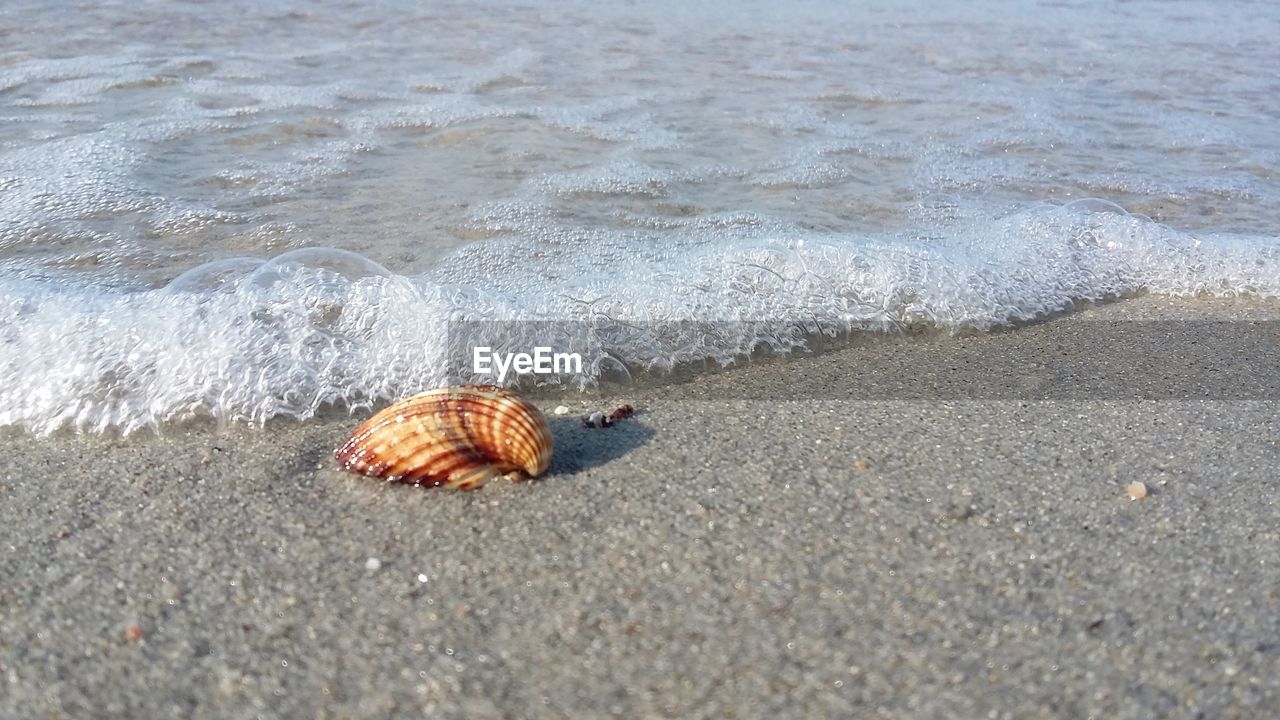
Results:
<point x="814" y="168"/>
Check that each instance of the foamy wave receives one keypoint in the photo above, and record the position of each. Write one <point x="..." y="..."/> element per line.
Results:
<point x="244" y="340"/>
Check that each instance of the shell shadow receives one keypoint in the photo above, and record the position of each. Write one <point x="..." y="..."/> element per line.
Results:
<point x="579" y="448"/>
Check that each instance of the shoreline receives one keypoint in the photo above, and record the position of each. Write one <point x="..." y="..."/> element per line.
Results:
<point x="764" y="539"/>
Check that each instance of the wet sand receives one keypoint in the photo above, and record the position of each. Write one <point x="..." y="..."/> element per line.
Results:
<point x="783" y="539"/>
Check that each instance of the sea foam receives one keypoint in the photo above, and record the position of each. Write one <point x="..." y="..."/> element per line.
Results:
<point x="244" y="340"/>
<point x="200" y="224"/>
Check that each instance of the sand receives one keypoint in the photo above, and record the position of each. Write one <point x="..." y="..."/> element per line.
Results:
<point x="783" y="539"/>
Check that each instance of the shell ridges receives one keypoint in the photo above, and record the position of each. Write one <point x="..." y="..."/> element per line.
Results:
<point x="458" y="436"/>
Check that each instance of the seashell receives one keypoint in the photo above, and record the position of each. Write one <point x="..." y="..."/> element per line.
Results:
<point x="457" y="436"/>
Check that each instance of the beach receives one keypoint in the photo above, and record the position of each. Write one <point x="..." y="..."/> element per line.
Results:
<point x="950" y="331"/>
<point x="766" y="541"/>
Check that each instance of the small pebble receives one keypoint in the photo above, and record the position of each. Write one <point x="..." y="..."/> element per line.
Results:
<point x="561" y="410"/>
<point x="597" y="420"/>
<point x="132" y="633"/>
<point x="1137" y="490"/>
<point x="372" y="564"/>
<point x="422" y="578"/>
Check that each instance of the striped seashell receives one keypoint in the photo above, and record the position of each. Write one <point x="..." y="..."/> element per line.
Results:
<point x="455" y="436"/>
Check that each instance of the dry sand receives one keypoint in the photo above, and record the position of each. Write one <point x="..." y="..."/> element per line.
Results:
<point x="797" y="539"/>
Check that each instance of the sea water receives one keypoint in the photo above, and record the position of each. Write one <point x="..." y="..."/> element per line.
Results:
<point x="241" y="210"/>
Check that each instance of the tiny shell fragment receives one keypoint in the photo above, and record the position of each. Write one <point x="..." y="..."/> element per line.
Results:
<point x="561" y="410"/>
<point x="1137" y="490"/>
<point x="622" y="413"/>
<point x="600" y="419"/>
